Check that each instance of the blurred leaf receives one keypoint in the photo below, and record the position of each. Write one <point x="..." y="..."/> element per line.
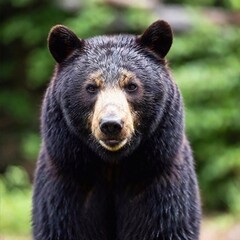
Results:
<point x="15" y="204"/>
<point x="31" y="145"/>
<point x="16" y="104"/>
<point x="15" y="178"/>
<point x="20" y="3"/>
<point x="39" y="67"/>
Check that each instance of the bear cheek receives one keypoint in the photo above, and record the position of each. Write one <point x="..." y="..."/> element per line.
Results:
<point x="94" y="125"/>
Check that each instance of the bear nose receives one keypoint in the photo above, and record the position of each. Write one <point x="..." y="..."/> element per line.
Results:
<point x="111" y="126"/>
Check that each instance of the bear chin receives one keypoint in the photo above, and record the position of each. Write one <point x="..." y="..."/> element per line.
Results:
<point x="113" y="145"/>
<point x="124" y="150"/>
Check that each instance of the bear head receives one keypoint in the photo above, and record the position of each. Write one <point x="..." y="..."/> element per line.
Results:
<point x="112" y="90"/>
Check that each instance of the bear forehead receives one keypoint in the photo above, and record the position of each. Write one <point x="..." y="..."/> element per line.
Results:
<point x="112" y="49"/>
<point x="122" y="40"/>
<point x="111" y="54"/>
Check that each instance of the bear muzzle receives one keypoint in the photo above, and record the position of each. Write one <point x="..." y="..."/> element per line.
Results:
<point x="112" y="122"/>
<point x="111" y="128"/>
<point x="112" y="131"/>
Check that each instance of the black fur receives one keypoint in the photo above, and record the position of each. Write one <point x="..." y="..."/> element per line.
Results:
<point x="145" y="191"/>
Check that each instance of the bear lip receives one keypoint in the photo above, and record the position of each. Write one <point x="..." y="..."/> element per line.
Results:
<point x="113" y="144"/>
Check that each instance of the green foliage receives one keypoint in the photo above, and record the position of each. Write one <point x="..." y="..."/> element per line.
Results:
<point x="206" y="66"/>
<point x="31" y="145"/>
<point x="229" y="4"/>
<point x="15" y="199"/>
<point x="85" y="25"/>
<point x="18" y="106"/>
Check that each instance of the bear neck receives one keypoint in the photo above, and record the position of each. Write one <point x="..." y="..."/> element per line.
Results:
<point x="170" y="132"/>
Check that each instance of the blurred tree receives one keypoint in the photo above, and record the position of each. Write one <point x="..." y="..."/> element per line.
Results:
<point x="24" y="70"/>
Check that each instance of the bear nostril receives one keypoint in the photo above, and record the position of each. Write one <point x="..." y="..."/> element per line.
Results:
<point x="111" y="126"/>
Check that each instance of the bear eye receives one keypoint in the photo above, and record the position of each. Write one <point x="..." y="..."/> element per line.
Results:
<point x="131" y="87"/>
<point x="92" y="88"/>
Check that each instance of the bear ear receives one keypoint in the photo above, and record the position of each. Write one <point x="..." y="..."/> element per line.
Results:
<point x="62" y="42"/>
<point x="157" y="38"/>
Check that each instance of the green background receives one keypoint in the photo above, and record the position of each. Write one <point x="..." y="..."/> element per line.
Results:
<point x="205" y="62"/>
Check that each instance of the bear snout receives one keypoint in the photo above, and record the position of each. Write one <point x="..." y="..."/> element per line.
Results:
<point x="112" y="133"/>
<point x="112" y="121"/>
<point x="111" y="126"/>
<point x="112" y="129"/>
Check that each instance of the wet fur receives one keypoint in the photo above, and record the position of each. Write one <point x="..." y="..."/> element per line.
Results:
<point x="148" y="190"/>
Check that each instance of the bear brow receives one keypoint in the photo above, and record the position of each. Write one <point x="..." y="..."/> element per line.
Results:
<point x="126" y="77"/>
<point x="96" y="77"/>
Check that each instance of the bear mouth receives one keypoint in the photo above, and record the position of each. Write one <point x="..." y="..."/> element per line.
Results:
<point x="113" y="144"/>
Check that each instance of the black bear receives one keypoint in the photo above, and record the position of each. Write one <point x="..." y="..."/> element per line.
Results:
<point x="115" y="163"/>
